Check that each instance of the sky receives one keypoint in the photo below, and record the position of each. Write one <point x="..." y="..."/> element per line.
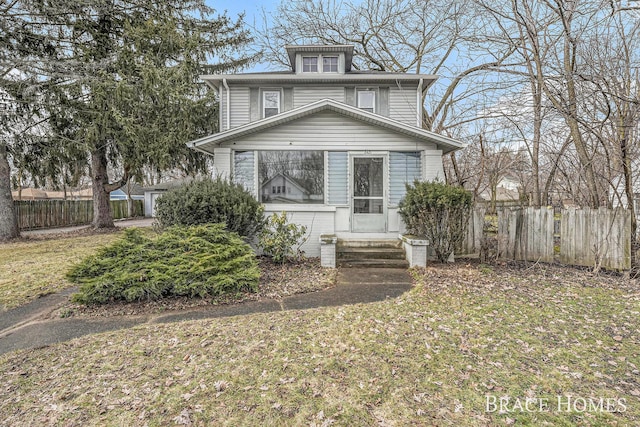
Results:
<point x="253" y="15"/>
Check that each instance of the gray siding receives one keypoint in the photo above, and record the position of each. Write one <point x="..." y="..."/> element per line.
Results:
<point x="304" y="95"/>
<point x="239" y="106"/>
<point x="402" y="104"/>
<point x="432" y="168"/>
<point x="329" y="131"/>
<point x="318" y="222"/>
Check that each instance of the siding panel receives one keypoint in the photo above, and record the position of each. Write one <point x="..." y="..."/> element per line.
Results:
<point x="306" y="95"/>
<point x="240" y="108"/>
<point x="432" y="165"/>
<point x="317" y="223"/>
<point x="402" y="104"/>
<point x="328" y="130"/>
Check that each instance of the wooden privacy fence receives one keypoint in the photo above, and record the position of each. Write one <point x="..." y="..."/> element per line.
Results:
<point x="34" y="214"/>
<point x="587" y="237"/>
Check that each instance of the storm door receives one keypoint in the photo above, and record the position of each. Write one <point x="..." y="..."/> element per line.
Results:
<point x="368" y="194"/>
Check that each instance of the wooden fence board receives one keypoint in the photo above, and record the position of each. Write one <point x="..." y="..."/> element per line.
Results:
<point x="596" y="238"/>
<point x="33" y="214"/>
<point x="525" y="234"/>
<point x="475" y="231"/>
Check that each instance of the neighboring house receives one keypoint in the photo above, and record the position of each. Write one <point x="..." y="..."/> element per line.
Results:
<point x="284" y="189"/>
<point x="131" y="190"/>
<point x="507" y="189"/>
<point x="135" y="191"/>
<point x="29" y="193"/>
<point x="152" y="193"/>
<point x="344" y="141"/>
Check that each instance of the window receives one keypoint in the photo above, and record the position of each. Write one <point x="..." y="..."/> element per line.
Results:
<point x="367" y="100"/>
<point x="309" y="64"/>
<point x="329" y="64"/>
<point x="270" y="103"/>
<point x="243" y="169"/>
<point x="291" y="176"/>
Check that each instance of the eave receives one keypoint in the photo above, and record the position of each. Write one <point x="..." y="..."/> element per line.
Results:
<point x="215" y="80"/>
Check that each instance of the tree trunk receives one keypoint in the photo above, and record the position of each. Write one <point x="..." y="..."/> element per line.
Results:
<point x="102" y="217"/>
<point x="8" y="220"/>
<point x="130" y="207"/>
<point x="628" y="190"/>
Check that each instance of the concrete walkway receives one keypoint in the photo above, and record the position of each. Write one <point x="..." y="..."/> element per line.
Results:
<point x="123" y="223"/>
<point x="28" y="326"/>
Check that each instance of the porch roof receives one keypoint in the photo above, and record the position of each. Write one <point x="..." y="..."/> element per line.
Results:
<point x="208" y="143"/>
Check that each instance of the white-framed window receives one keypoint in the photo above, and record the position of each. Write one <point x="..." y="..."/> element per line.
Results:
<point x="367" y="100"/>
<point x="270" y="103"/>
<point x="329" y="64"/>
<point x="309" y="64"/>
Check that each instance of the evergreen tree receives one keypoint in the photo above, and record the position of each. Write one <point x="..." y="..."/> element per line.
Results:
<point x="123" y="90"/>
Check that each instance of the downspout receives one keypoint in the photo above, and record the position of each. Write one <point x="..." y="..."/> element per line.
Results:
<point x="226" y="88"/>
<point x="419" y="105"/>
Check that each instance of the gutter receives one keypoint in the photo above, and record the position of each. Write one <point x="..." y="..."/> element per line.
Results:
<point x="419" y="104"/>
<point x="226" y="88"/>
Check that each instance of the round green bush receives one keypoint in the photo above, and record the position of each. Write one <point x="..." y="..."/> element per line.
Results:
<point x="196" y="261"/>
<point x="211" y="201"/>
<point x="439" y="212"/>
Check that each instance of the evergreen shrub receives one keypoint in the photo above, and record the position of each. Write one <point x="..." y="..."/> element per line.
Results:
<point x="196" y="261"/>
<point x="211" y="201"/>
<point x="439" y="212"/>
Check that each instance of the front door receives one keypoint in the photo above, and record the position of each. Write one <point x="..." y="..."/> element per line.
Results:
<point x="368" y="195"/>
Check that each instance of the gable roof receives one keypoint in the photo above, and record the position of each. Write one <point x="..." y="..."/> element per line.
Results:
<point x="208" y="143"/>
<point x="288" y="178"/>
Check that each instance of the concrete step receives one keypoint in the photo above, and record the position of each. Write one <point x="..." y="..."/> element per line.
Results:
<point x="370" y="253"/>
<point x="368" y="243"/>
<point x="373" y="263"/>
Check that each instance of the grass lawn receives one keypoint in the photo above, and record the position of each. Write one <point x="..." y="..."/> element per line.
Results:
<point x="467" y="334"/>
<point x="32" y="268"/>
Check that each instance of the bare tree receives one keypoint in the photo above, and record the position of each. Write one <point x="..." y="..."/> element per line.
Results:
<point x="421" y="36"/>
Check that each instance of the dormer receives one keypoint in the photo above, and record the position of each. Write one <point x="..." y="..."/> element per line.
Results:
<point x="313" y="59"/>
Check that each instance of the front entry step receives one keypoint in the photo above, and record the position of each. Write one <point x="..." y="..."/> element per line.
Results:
<point x="370" y="253"/>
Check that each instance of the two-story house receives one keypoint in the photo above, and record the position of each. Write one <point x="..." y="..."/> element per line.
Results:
<point x="330" y="145"/>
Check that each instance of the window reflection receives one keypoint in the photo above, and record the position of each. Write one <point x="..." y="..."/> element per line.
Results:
<point x="291" y="176"/>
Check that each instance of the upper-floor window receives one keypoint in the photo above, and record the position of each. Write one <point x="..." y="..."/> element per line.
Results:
<point x="310" y="64"/>
<point x="367" y="100"/>
<point x="270" y="103"/>
<point x="329" y="64"/>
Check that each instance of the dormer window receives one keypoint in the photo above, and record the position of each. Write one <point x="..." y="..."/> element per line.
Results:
<point x="329" y="64"/>
<point x="367" y="100"/>
<point x="270" y="103"/>
<point x="309" y="64"/>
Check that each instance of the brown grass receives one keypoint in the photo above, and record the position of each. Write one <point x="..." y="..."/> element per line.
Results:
<point x="31" y="268"/>
<point x="431" y="357"/>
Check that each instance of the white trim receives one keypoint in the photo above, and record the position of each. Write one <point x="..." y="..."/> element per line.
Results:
<point x="293" y="207"/>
